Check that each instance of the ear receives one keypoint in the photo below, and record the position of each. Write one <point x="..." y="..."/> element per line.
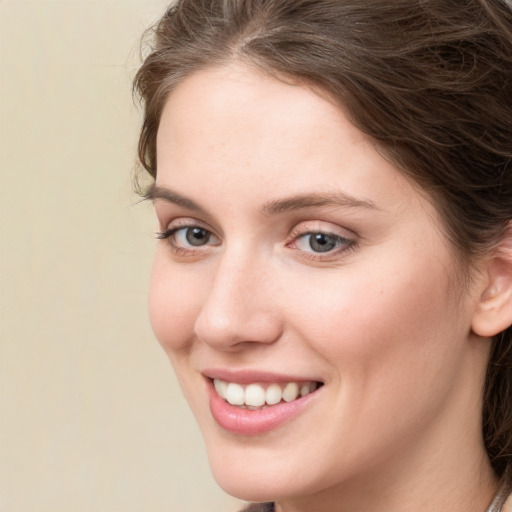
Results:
<point x="493" y="313"/>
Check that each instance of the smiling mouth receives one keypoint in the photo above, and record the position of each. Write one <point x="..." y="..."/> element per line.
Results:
<point x="259" y="396"/>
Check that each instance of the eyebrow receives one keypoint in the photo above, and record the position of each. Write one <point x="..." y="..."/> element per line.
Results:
<point x="168" y="195"/>
<point x="303" y="201"/>
<point x="273" y="207"/>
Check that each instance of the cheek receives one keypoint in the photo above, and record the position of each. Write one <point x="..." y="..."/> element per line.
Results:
<point x="173" y="304"/>
<point x="393" y="344"/>
<point x="385" y="329"/>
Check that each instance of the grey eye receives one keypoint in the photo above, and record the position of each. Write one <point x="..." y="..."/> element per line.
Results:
<point x="322" y="242"/>
<point x="189" y="237"/>
<point x="195" y="236"/>
<point x="318" y="242"/>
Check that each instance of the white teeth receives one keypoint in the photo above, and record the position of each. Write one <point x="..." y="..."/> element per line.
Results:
<point x="221" y="387"/>
<point x="255" y="396"/>
<point x="235" y="394"/>
<point x="273" y="394"/>
<point x="304" y="390"/>
<point x="290" y="392"/>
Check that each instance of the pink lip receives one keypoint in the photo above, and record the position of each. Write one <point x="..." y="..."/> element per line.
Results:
<point x="250" y="423"/>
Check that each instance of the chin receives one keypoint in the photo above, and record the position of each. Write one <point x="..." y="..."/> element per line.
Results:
<point x="262" y="474"/>
<point x="249" y="484"/>
<point x="246" y="472"/>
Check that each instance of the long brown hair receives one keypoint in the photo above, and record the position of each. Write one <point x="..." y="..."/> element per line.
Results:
<point x="429" y="80"/>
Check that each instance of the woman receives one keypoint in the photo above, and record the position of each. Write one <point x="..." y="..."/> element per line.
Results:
<point x="333" y="280"/>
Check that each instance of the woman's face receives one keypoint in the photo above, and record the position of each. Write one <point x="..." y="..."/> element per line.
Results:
<point x="296" y="259"/>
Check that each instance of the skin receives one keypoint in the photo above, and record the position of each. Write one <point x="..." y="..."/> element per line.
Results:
<point x="383" y="320"/>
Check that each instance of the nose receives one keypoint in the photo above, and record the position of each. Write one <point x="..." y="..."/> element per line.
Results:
<point x="238" y="308"/>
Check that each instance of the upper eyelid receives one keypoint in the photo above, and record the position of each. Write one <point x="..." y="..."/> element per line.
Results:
<point x="328" y="228"/>
<point x="185" y="222"/>
<point x="321" y="231"/>
<point x="167" y="212"/>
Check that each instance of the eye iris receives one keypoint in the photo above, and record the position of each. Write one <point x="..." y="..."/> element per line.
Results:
<point x="197" y="236"/>
<point x="320" y="242"/>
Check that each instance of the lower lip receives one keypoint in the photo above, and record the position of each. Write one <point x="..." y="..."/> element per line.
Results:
<point x="251" y="423"/>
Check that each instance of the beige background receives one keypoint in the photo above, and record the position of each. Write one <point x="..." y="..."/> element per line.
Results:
<point x="91" y="418"/>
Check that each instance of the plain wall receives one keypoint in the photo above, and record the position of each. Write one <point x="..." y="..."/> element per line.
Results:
<point x="91" y="418"/>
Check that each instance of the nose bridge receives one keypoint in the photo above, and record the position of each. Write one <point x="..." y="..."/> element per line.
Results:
<point x="237" y="308"/>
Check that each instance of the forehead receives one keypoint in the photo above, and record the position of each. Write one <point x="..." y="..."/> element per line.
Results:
<point x="237" y="123"/>
<point x="256" y="109"/>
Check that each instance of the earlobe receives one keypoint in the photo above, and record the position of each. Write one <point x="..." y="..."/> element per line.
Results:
<point x="494" y="309"/>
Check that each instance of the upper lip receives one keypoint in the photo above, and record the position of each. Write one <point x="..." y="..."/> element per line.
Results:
<point x="249" y="376"/>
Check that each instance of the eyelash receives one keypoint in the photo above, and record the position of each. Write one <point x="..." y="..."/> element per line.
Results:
<point x="170" y="233"/>
<point x="342" y="244"/>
